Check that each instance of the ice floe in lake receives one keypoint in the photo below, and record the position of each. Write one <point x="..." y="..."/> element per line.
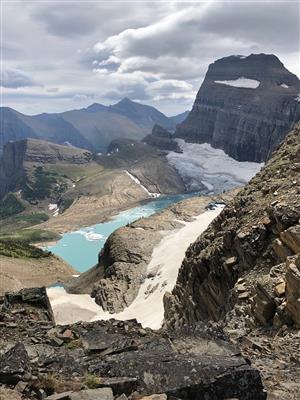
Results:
<point x="89" y="234"/>
<point x="241" y="83"/>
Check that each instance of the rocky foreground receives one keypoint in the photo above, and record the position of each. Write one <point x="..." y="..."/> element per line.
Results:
<point x="114" y="359"/>
<point x="236" y="299"/>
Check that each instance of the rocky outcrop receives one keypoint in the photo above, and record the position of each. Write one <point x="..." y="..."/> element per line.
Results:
<point x="292" y="290"/>
<point x="162" y="139"/>
<point x="239" y="244"/>
<point x="245" y="106"/>
<point x="117" y="360"/>
<point x="146" y="163"/>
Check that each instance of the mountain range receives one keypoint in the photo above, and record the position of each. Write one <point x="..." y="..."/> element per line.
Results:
<point x="91" y="128"/>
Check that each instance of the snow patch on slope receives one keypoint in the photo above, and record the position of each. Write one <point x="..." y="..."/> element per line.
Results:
<point x="162" y="272"/>
<point x="138" y="182"/>
<point x="241" y="83"/>
<point x="54" y="207"/>
<point x="201" y="164"/>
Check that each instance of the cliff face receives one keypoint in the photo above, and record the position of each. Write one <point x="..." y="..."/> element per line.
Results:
<point x="245" y="106"/>
<point x="249" y="256"/>
<point x="12" y="173"/>
<point x="17" y="155"/>
<point x="162" y="139"/>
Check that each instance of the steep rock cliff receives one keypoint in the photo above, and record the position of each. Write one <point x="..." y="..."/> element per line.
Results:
<point x="248" y="251"/>
<point x="18" y="158"/>
<point x="245" y="106"/>
<point x="162" y="139"/>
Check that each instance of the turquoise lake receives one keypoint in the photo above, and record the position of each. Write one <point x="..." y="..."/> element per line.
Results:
<point x="80" y="248"/>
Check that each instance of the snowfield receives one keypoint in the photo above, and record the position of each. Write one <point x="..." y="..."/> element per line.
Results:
<point x="138" y="182"/>
<point x="241" y="83"/>
<point x="201" y="165"/>
<point x="162" y="273"/>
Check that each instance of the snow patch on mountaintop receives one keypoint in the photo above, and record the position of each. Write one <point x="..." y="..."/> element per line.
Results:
<point x="201" y="164"/>
<point x="241" y="83"/>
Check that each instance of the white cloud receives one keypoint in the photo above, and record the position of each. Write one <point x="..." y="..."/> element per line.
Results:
<point x="15" y="79"/>
<point x="153" y="52"/>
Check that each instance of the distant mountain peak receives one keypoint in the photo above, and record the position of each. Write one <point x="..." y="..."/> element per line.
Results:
<point x="126" y="100"/>
<point x="95" y="107"/>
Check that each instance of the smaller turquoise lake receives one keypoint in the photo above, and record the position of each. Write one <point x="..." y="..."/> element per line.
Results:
<point x="80" y="248"/>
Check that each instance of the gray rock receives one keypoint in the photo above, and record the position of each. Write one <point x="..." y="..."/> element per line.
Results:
<point x="93" y="394"/>
<point x="15" y="365"/>
<point x="248" y="124"/>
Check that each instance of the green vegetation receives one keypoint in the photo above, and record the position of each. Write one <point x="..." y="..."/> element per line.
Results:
<point x="30" y="236"/>
<point x="16" y="249"/>
<point x="74" y="344"/>
<point x="21" y="221"/>
<point x="44" y="185"/>
<point x="11" y="205"/>
<point x="65" y="204"/>
<point x="92" y="381"/>
<point x="33" y="218"/>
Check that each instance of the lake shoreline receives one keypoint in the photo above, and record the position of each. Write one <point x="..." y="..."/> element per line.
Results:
<point x="90" y="239"/>
<point x="147" y="307"/>
<point x="145" y="243"/>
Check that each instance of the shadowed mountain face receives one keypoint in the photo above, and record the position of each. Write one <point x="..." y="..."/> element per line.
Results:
<point x="91" y="128"/>
<point x="245" y="106"/>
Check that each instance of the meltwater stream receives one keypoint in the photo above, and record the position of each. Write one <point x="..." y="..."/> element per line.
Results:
<point x="80" y="248"/>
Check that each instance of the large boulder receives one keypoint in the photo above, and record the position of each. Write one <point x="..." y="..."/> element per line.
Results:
<point x="293" y="288"/>
<point x="15" y="365"/>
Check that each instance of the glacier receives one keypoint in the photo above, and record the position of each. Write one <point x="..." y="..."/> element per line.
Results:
<point x="210" y="170"/>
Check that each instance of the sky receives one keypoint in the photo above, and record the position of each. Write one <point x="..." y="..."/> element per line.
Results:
<point x="61" y="55"/>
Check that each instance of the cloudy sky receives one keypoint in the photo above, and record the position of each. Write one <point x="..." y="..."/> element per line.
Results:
<point x="59" y="55"/>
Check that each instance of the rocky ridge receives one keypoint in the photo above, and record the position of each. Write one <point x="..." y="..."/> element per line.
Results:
<point x="90" y="128"/>
<point x="162" y="139"/>
<point x="244" y="270"/>
<point x="114" y="359"/>
<point x="245" y="106"/>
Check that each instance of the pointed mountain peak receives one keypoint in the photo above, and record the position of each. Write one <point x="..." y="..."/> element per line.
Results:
<point x="95" y="107"/>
